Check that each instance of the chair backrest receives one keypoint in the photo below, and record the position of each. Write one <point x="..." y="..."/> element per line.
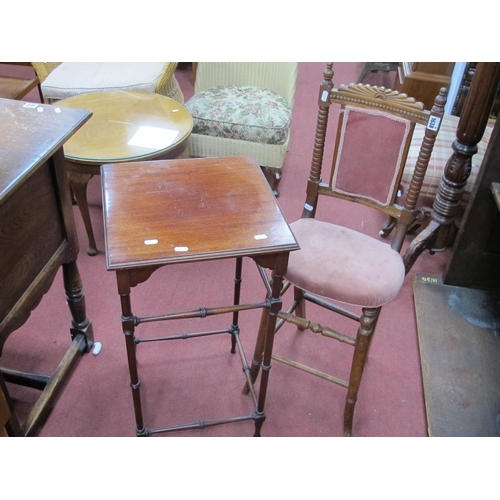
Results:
<point x="280" y="77"/>
<point x="43" y="69"/>
<point x="373" y="139"/>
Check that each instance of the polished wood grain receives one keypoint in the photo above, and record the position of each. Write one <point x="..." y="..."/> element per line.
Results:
<point x="30" y="134"/>
<point x="125" y="126"/>
<point x="205" y="208"/>
<point x="176" y="211"/>
<point x="37" y="235"/>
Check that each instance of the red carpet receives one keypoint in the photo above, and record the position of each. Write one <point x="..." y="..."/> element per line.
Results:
<point x="200" y="379"/>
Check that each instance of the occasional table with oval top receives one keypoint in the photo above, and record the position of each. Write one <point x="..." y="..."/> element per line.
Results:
<point x="125" y="126"/>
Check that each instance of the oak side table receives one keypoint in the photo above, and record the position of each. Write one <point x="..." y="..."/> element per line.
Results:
<point x="37" y="237"/>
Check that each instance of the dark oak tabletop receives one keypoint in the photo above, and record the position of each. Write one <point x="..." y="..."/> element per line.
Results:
<point x="170" y="211"/>
<point x="29" y="134"/>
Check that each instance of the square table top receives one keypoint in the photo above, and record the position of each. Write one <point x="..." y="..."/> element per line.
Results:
<point x="29" y="134"/>
<point x="186" y="210"/>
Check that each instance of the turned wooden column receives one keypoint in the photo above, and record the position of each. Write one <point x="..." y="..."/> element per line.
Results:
<point x="473" y="120"/>
<point x="475" y="260"/>
<point x="309" y="210"/>
<point x="470" y="131"/>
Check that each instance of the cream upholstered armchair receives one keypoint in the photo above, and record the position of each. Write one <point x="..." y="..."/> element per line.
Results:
<point x="61" y="80"/>
<point x="244" y="109"/>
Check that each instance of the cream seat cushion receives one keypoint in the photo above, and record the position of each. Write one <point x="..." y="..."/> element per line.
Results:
<point x="245" y="113"/>
<point x="70" y="78"/>
<point x="344" y="265"/>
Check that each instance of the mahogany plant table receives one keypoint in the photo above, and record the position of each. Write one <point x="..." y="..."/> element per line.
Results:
<point x="125" y="126"/>
<point x="161" y="213"/>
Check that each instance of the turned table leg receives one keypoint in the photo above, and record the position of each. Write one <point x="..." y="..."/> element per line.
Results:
<point x="473" y="120"/>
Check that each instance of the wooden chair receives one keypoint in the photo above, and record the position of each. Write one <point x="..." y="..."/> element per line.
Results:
<point x="61" y="80"/>
<point x="244" y="109"/>
<point x="339" y="264"/>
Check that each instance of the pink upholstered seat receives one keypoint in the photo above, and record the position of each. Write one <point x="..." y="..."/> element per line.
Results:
<point x="337" y="265"/>
<point x="359" y="270"/>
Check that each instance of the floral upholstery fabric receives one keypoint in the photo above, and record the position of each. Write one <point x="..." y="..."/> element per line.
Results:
<point x="241" y="112"/>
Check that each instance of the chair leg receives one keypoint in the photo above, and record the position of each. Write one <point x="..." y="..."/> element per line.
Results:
<point x="276" y="181"/>
<point x="258" y="352"/>
<point x="364" y="337"/>
<point x="421" y="219"/>
<point x="391" y="222"/>
<point x="388" y="227"/>
<point x="273" y="177"/>
<point x="300" y="310"/>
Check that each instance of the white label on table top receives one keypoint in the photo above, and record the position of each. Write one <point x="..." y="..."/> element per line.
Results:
<point x="30" y="105"/>
<point x="153" y="137"/>
<point x="260" y="236"/>
<point x="181" y="249"/>
<point x="151" y="242"/>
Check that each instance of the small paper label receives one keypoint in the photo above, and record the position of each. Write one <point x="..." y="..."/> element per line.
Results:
<point x="433" y="123"/>
<point x="181" y="249"/>
<point x="324" y="95"/>
<point x="308" y="207"/>
<point x="30" y="105"/>
<point x="260" y="236"/>
<point x="151" y="242"/>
